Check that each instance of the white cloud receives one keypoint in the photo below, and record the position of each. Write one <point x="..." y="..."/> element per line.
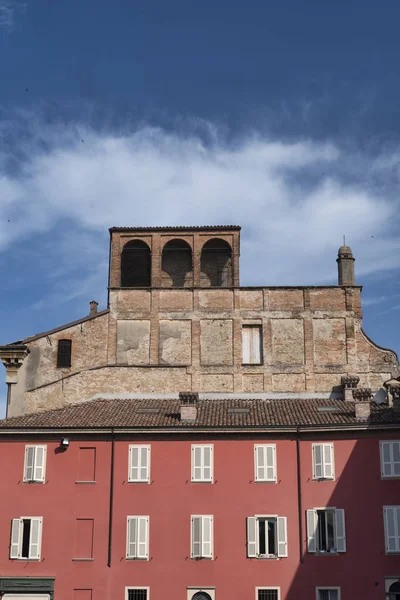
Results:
<point x="8" y="9"/>
<point x="293" y="200"/>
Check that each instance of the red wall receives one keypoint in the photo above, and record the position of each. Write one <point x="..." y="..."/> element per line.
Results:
<point x="171" y="498"/>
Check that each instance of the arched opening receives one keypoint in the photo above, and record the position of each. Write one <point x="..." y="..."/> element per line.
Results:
<point x="177" y="270"/>
<point x="201" y="596"/>
<point x="216" y="264"/>
<point x="136" y="264"/>
<point x="394" y="591"/>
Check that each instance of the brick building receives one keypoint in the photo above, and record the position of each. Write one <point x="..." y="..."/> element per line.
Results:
<point x="202" y="440"/>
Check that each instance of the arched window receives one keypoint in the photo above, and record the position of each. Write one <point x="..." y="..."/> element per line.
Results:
<point x="176" y="266"/>
<point x="136" y="264"/>
<point x="394" y="591"/>
<point x="216" y="264"/>
<point x="201" y="596"/>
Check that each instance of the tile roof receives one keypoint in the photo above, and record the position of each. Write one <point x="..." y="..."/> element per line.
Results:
<point x="105" y="413"/>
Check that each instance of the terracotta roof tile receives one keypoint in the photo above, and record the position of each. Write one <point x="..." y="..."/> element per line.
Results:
<point x="211" y="413"/>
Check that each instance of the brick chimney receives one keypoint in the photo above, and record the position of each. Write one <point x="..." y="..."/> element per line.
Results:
<point x="349" y="383"/>
<point x="362" y="403"/>
<point x="188" y="406"/>
<point x="93" y="308"/>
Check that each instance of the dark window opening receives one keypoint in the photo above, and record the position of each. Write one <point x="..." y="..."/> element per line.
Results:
<point x="266" y="536"/>
<point x="326" y="530"/>
<point x="136" y="264"/>
<point x="267" y="595"/>
<point x="137" y="594"/>
<point x="201" y="596"/>
<point x="26" y="534"/>
<point x="64" y="354"/>
<point x="394" y="591"/>
<point x="216" y="264"/>
<point x="328" y="595"/>
<point x="177" y="270"/>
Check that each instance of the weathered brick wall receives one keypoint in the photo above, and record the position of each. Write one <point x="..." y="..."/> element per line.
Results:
<point x="178" y="340"/>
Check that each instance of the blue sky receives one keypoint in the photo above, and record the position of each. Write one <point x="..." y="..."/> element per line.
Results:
<point x="281" y="117"/>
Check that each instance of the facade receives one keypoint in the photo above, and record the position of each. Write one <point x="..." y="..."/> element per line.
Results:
<point x="201" y="440"/>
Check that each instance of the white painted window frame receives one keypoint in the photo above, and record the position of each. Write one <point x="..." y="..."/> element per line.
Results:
<point x="323" y="588"/>
<point x="136" y="557"/>
<point x="34" y="478"/>
<point x="256" y="465"/>
<point x="392" y="462"/>
<point x="137" y="587"/>
<point x="130" y="466"/>
<point x="397" y="551"/>
<point x="324" y="476"/>
<point x="20" y="538"/>
<point x="278" y="555"/>
<point x="202" y="517"/>
<point x="315" y="537"/>
<point x="268" y="587"/>
<point x="202" y="479"/>
<point x="246" y="360"/>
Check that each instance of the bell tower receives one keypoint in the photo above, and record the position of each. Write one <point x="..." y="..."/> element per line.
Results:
<point x="345" y="261"/>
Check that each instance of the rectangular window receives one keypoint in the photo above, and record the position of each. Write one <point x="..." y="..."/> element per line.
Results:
<point x="266" y="537"/>
<point x="267" y="594"/>
<point x="87" y="464"/>
<point x="323" y="463"/>
<point x="202" y="536"/>
<point x="252" y="344"/>
<point x="137" y="594"/>
<point x="265" y="462"/>
<point x="326" y="531"/>
<point x="84" y="538"/>
<point x="392" y="528"/>
<point x="202" y="463"/>
<point x="139" y="464"/>
<point x="390" y="459"/>
<point x="328" y="593"/>
<point x="64" y="354"/>
<point x="137" y="538"/>
<point x="35" y="464"/>
<point x="26" y="538"/>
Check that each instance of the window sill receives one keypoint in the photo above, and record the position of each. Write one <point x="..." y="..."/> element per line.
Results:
<point x="26" y="559"/>
<point x="323" y="479"/>
<point x="201" y="481"/>
<point x="84" y="482"/>
<point x="134" y="481"/>
<point x="34" y="481"/>
<point x="266" y="557"/>
<point x="265" y="481"/>
<point x="260" y="364"/>
<point x="136" y="558"/>
<point x="83" y="559"/>
<point x="328" y="553"/>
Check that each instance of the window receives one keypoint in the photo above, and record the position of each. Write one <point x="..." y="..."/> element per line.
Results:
<point x="201" y="595"/>
<point x="26" y="538"/>
<point x="202" y="463"/>
<point x="326" y="530"/>
<point x="392" y="528"/>
<point x="267" y="593"/>
<point x="323" y="464"/>
<point x="84" y="539"/>
<point x="137" y="594"/>
<point x="202" y="537"/>
<point x="35" y="464"/>
<point x="87" y="465"/>
<point x="328" y="593"/>
<point x="137" y="539"/>
<point x="252" y="344"/>
<point x="266" y="537"/>
<point x="136" y="264"/>
<point x="139" y="464"/>
<point x="64" y="354"/>
<point x="265" y="462"/>
<point x="390" y="459"/>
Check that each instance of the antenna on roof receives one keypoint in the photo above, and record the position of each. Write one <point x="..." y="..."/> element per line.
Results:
<point x="344" y="240"/>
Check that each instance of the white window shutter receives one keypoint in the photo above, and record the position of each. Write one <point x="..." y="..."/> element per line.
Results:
<point x="29" y="463"/>
<point x="260" y="463"/>
<point x="328" y="465"/>
<point x="134" y="463"/>
<point x="396" y="459"/>
<point x="144" y="463"/>
<point x="40" y="463"/>
<point x="270" y="454"/>
<point x="196" y="537"/>
<point x="392" y="522"/>
<point x="16" y="538"/>
<point x="196" y="463"/>
<point x="340" y="530"/>
<point x="318" y="461"/>
<point x="281" y="526"/>
<point x="311" y="530"/>
<point x="131" y="546"/>
<point x="251" y="537"/>
<point x="207" y="463"/>
<point x="206" y="537"/>
<point x="255" y="345"/>
<point x="246" y="341"/>
<point x="35" y="539"/>
<point x="142" y="537"/>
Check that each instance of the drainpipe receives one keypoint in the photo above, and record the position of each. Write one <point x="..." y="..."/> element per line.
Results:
<point x="299" y="499"/>
<point x="110" y="518"/>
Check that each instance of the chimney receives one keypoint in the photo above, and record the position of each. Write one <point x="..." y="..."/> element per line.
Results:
<point x="349" y="383"/>
<point x="362" y="403"/>
<point x="188" y="406"/>
<point x="93" y="308"/>
<point x="393" y="388"/>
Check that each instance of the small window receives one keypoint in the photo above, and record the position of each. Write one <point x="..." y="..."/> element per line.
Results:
<point x="26" y="538"/>
<point x="137" y="539"/>
<point x="139" y="464"/>
<point x="390" y="459"/>
<point x="265" y="462"/>
<point x="202" y="463"/>
<point x="64" y="354"/>
<point x="87" y="465"/>
<point x="323" y="462"/>
<point x="267" y="594"/>
<point x="392" y="529"/>
<point x="137" y="594"/>
<point x="252" y="344"/>
<point x="328" y="593"/>
<point x="84" y="538"/>
<point x="202" y="537"/>
<point x="266" y="537"/>
<point x="35" y="464"/>
<point x="326" y="531"/>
